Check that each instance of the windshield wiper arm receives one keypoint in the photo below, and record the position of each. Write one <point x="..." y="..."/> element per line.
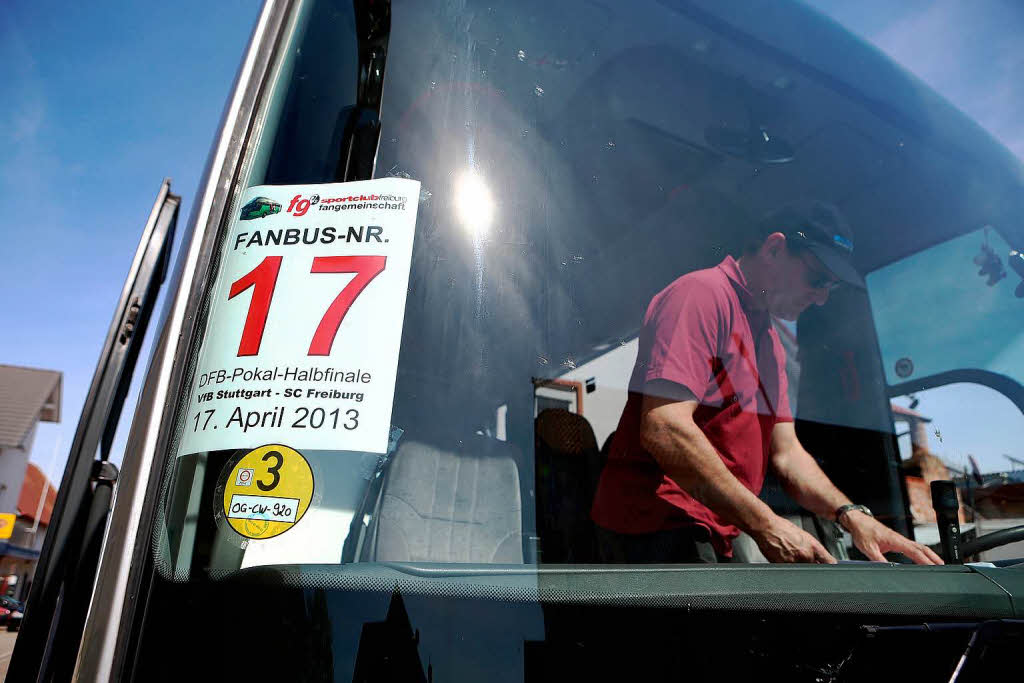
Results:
<point x="361" y="137"/>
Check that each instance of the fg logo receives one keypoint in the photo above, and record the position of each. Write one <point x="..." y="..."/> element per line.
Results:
<point x="299" y="206"/>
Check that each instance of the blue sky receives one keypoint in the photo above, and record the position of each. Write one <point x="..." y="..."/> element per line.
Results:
<point x="104" y="100"/>
<point x="970" y="53"/>
<point x="968" y="419"/>
<point x="101" y="101"/>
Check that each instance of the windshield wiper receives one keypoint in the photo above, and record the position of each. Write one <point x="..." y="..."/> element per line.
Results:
<point x="361" y="136"/>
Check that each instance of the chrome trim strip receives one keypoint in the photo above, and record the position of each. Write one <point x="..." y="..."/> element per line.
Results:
<point x="106" y="627"/>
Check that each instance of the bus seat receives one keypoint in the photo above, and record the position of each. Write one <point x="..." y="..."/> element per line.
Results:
<point x="567" y="469"/>
<point x="448" y="505"/>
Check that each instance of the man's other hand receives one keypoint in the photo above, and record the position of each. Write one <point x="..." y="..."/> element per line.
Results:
<point x="874" y="538"/>
<point x="783" y="541"/>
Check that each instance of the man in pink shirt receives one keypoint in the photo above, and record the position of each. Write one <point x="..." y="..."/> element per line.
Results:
<point x="707" y="411"/>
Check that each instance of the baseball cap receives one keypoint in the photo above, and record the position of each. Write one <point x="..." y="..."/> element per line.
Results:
<point x="820" y="228"/>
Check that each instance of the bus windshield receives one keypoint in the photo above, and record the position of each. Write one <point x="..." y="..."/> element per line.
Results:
<point x="626" y="287"/>
<point x="582" y="236"/>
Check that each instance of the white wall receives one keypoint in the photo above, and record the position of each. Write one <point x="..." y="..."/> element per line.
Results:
<point x="611" y="373"/>
<point x="13" y="462"/>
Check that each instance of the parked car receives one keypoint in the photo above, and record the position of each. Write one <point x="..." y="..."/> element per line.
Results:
<point x="11" y="611"/>
<point x="14" y="620"/>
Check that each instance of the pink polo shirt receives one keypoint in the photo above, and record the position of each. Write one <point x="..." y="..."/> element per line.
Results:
<point x="702" y="333"/>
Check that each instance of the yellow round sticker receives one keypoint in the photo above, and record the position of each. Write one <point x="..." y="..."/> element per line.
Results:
<point x="268" y="491"/>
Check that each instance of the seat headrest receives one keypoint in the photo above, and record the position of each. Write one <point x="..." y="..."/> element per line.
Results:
<point x="565" y="432"/>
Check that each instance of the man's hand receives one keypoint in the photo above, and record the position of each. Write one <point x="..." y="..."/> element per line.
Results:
<point x="874" y="538"/>
<point x="783" y="541"/>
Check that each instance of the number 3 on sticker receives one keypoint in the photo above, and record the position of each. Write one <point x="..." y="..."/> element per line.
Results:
<point x="282" y="493"/>
<point x="263" y="280"/>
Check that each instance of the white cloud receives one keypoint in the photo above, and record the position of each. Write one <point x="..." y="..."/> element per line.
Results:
<point x="970" y="54"/>
<point x="23" y="120"/>
<point x="24" y="110"/>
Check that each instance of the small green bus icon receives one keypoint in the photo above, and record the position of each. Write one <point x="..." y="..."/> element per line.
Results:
<point x="258" y="208"/>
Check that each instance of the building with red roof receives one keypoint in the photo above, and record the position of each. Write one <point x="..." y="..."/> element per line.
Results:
<point x="28" y="396"/>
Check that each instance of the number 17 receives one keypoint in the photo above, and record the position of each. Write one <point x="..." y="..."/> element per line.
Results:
<point x="263" y="280"/>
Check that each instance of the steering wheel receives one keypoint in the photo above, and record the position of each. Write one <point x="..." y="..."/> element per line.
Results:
<point x="987" y="542"/>
<point x="992" y="540"/>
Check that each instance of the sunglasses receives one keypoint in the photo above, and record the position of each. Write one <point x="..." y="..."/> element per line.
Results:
<point x="815" y="274"/>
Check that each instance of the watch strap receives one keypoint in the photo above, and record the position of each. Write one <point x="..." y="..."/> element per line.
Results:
<point x="843" y="509"/>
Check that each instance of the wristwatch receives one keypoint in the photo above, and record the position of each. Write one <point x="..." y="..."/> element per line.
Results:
<point x="843" y="509"/>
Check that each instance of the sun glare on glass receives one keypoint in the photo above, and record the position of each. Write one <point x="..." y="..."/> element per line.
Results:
<point x="473" y="203"/>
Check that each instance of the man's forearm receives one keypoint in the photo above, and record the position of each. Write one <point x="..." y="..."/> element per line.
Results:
<point x="690" y="460"/>
<point x="807" y="484"/>
<point x="670" y="435"/>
